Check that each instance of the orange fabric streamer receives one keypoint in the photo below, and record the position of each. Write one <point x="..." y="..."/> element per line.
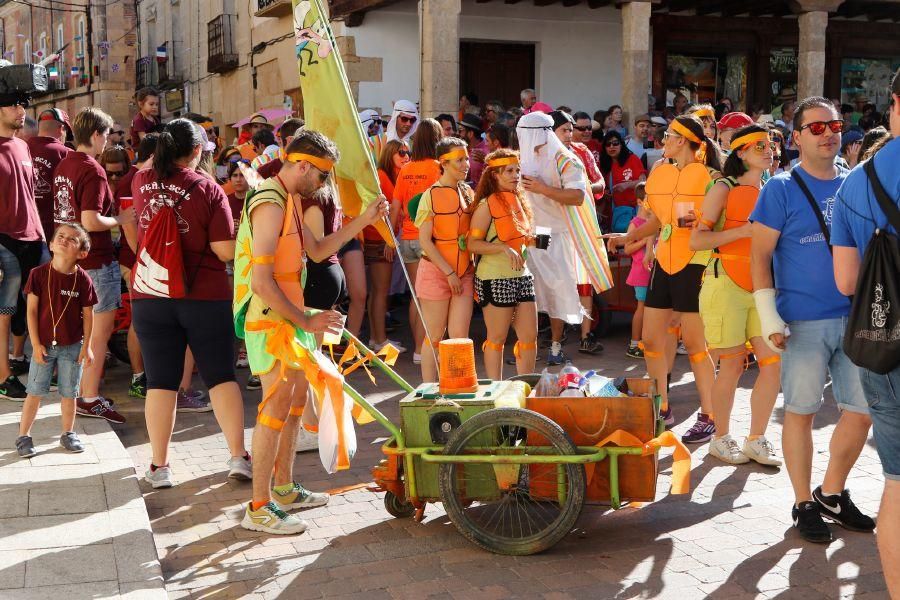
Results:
<point x="681" y="466"/>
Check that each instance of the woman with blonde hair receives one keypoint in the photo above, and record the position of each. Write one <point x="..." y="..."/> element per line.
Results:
<point x="444" y="283"/>
<point x="501" y="231"/>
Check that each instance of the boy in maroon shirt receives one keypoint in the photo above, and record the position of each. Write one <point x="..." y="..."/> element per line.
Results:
<point x="81" y="194"/>
<point x="47" y="151"/>
<point x="60" y="297"/>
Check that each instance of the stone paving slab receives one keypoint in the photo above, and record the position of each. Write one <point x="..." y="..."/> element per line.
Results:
<point x="730" y="538"/>
<point x="72" y="525"/>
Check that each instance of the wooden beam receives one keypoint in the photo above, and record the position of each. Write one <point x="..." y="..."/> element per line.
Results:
<point x="708" y="8"/>
<point x="512" y="1"/>
<point x="598" y="3"/>
<point x="570" y="2"/>
<point x="340" y="9"/>
<point x="544" y="2"/>
<point x="680" y="5"/>
<point x="355" y="19"/>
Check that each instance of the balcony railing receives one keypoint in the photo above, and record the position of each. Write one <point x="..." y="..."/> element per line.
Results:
<point x="143" y="70"/>
<point x="273" y="8"/>
<point x="220" y="44"/>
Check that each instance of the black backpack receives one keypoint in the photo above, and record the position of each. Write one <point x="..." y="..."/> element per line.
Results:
<point x="872" y="338"/>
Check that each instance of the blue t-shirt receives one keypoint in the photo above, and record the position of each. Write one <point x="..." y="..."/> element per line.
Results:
<point x="804" y="272"/>
<point x="856" y="210"/>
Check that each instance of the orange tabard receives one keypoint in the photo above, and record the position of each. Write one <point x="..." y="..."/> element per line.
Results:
<point x="735" y="256"/>
<point x="667" y="185"/>
<point x="288" y="267"/>
<point x="509" y="219"/>
<point x="450" y="226"/>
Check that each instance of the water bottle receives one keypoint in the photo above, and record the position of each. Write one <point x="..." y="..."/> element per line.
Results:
<point x="546" y="385"/>
<point x="569" y="378"/>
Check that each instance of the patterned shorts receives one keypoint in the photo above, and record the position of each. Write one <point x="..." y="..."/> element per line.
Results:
<point x="504" y="292"/>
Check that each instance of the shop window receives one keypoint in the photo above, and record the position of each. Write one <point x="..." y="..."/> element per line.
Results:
<point x="783" y="66"/>
<point x="867" y="81"/>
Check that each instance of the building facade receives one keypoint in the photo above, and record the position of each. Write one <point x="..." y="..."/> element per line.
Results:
<point x="96" y="48"/>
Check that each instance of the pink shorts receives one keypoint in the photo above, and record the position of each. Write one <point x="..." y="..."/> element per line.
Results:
<point x="431" y="284"/>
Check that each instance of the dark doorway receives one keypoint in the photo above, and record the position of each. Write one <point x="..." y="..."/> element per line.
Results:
<point x="496" y="71"/>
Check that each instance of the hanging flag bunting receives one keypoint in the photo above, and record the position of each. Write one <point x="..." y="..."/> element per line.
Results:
<point x="75" y="71"/>
<point x="329" y="108"/>
<point x="53" y="72"/>
<point x="115" y="68"/>
<point x="161" y="54"/>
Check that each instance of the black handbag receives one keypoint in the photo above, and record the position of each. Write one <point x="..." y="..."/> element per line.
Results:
<point x="872" y="338"/>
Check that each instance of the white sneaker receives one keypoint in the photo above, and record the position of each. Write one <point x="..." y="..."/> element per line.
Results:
<point x="727" y="450"/>
<point x="379" y="347"/>
<point x="681" y="349"/>
<point x="417" y="358"/>
<point x="306" y="440"/>
<point x="242" y="362"/>
<point x="160" y="478"/>
<point x="761" y="451"/>
<point x="271" y="519"/>
<point x="241" y="468"/>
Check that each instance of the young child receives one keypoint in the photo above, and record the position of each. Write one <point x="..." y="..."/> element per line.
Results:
<point x="60" y="317"/>
<point x="641" y="253"/>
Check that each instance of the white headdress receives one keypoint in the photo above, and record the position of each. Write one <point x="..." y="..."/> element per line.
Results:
<point x="402" y="107"/>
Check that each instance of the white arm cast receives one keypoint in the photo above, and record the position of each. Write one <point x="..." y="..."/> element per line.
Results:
<point x="769" y="318"/>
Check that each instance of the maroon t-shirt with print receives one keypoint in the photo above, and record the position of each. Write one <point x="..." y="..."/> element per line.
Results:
<point x="61" y="297"/>
<point x="142" y="124"/>
<point x="46" y="153"/>
<point x="79" y="184"/>
<point x="203" y="216"/>
<point x="18" y="213"/>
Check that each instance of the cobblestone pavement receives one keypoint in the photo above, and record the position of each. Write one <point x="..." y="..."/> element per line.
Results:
<point x="730" y="538"/>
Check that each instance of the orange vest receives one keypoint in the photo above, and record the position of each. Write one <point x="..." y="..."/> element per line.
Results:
<point x="735" y="256"/>
<point x="450" y="226"/>
<point x="667" y="185"/>
<point x="288" y="267"/>
<point x="508" y="216"/>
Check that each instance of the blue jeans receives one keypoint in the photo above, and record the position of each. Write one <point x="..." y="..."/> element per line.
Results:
<point x="107" y="282"/>
<point x="812" y="351"/>
<point x="65" y="359"/>
<point x="11" y="282"/>
<point x="883" y="395"/>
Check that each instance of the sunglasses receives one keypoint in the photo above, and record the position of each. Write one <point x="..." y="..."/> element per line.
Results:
<point x="111" y="174"/>
<point x="403" y="152"/>
<point x="403" y="119"/>
<point x="818" y="127"/>
<point x="237" y="158"/>
<point x="612" y="144"/>
<point x="323" y="175"/>
<point x="761" y="146"/>
<point x="583" y="127"/>
<point x="119" y="132"/>
<point x="669" y="136"/>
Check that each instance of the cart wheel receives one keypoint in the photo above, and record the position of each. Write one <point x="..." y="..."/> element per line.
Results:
<point x="398" y="507"/>
<point x="511" y="509"/>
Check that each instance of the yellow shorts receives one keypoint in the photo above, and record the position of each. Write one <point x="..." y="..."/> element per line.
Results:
<point x="728" y="311"/>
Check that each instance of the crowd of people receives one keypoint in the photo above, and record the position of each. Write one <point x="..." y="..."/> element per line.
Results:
<point x="236" y="256"/>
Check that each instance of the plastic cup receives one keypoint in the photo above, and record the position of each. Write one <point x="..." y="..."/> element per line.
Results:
<point x="126" y="202"/>
<point x="683" y="213"/>
<point x="542" y="238"/>
<point x="333" y="339"/>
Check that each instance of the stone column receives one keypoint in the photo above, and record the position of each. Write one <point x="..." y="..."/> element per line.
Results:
<point x="813" y="23"/>
<point x="439" y="44"/>
<point x="635" y="58"/>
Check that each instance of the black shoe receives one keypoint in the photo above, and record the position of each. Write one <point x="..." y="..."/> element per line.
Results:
<point x="809" y="524"/>
<point x="842" y="511"/>
<point x="589" y="345"/>
<point x="19" y="366"/>
<point x="253" y="383"/>
<point x="12" y="389"/>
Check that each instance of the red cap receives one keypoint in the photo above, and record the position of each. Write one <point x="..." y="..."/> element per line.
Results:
<point x="56" y="114"/>
<point x="734" y="120"/>
<point x="541" y="107"/>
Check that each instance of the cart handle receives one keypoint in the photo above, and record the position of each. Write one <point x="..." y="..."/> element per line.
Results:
<point x="534" y="455"/>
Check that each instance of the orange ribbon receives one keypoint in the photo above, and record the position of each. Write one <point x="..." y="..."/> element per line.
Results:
<point x="681" y="466"/>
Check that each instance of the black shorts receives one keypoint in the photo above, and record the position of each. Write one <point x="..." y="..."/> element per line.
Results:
<point x="325" y="285"/>
<point x="373" y="252"/>
<point x="349" y="247"/>
<point x="165" y="328"/>
<point x="504" y="293"/>
<point x="680" y="292"/>
<point x="29" y="254"/>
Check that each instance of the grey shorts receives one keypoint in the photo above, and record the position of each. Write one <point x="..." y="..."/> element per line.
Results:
<point x="107" y="282"/>
<point x="410" y="251"/>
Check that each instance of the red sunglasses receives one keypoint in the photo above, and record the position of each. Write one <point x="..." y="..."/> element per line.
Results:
<point x="818" y="127"/>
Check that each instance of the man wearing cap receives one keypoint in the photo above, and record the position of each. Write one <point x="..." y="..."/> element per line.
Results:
<point x="21" y="235"/>
<point x="470" y="130"/>
<point x="257" y="121"/>
<point x="47" y="150"/>
<point x="637" y="143"/>
<point x="728" y="124"/>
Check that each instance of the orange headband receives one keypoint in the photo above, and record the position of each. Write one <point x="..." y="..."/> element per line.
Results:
<point x="705" y="112"/>
<point x="502" y="162"/>
<point x="750" y="138"/>
<point x="323" y="164"/>
<point x="684" y="132"/>
<point x="454" y="154"/>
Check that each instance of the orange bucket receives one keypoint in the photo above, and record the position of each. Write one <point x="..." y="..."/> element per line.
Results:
<point x="457" y="370"/>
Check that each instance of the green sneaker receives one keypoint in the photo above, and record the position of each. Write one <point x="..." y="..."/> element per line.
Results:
<point x="138" y="387"/>
<point x="288" y="497"/>
<point x="271" y="519"/>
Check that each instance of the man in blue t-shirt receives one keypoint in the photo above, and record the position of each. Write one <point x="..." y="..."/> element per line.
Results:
<point x="803" y="316"/>
<point x="856" y="216"/>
